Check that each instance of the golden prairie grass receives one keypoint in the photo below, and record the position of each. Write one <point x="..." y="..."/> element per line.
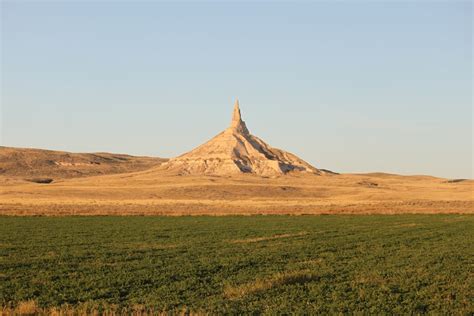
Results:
<point x="27" y="308"/>
<point x="31" y="307"/>
<point x="198" y="209"/>
<point x="277" y="280"/>
<point x="152" y="193"/>
<point x="273" y="237"/>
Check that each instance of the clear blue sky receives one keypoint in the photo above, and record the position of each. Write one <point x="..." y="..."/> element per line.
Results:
<point x="348" y="86"/>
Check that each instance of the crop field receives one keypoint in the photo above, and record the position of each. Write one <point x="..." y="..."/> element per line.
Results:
<point x="238" y="264"/>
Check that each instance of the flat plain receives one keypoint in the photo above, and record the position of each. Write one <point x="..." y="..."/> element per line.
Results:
<point x="402" y="264"/>
<point x="154" y="192"/>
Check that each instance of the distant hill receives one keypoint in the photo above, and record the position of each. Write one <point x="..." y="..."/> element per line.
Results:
<point x="41" y="165"/>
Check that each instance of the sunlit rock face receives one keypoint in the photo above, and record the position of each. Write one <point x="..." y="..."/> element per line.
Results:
<point x="236" y="151"/>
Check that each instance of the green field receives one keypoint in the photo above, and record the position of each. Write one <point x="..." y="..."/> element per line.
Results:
<point x="256" y="264"/>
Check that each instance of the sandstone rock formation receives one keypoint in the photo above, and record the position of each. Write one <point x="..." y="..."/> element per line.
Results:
<point x="236" y="151"/>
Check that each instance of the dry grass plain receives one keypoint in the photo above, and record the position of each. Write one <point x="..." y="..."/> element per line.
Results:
<point x="156" y="192"/>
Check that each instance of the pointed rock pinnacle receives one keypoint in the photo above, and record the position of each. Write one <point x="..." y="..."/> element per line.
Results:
<point x="236" y="117"/>
<point x="237" y="123"/>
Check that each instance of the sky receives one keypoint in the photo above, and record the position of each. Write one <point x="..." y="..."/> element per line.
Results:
<point x="350" y="86"/>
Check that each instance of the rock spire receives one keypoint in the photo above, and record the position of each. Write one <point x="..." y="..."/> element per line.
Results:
<point x="235" y="151"/>
<point x="237" y="123"/>
<point x="236" y="117"/>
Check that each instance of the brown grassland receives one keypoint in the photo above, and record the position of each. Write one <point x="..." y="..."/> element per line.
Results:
<point x="155" y="192"/>
<point x="31" y="307"/>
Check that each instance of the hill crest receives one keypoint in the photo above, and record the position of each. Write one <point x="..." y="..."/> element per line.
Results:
<point x="33" y="163"/>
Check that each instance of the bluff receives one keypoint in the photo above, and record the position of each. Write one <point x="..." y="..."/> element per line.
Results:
<point x="236" y="151"/>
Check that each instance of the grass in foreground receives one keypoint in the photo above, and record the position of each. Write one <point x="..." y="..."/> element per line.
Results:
<point x="256" y="264"/>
